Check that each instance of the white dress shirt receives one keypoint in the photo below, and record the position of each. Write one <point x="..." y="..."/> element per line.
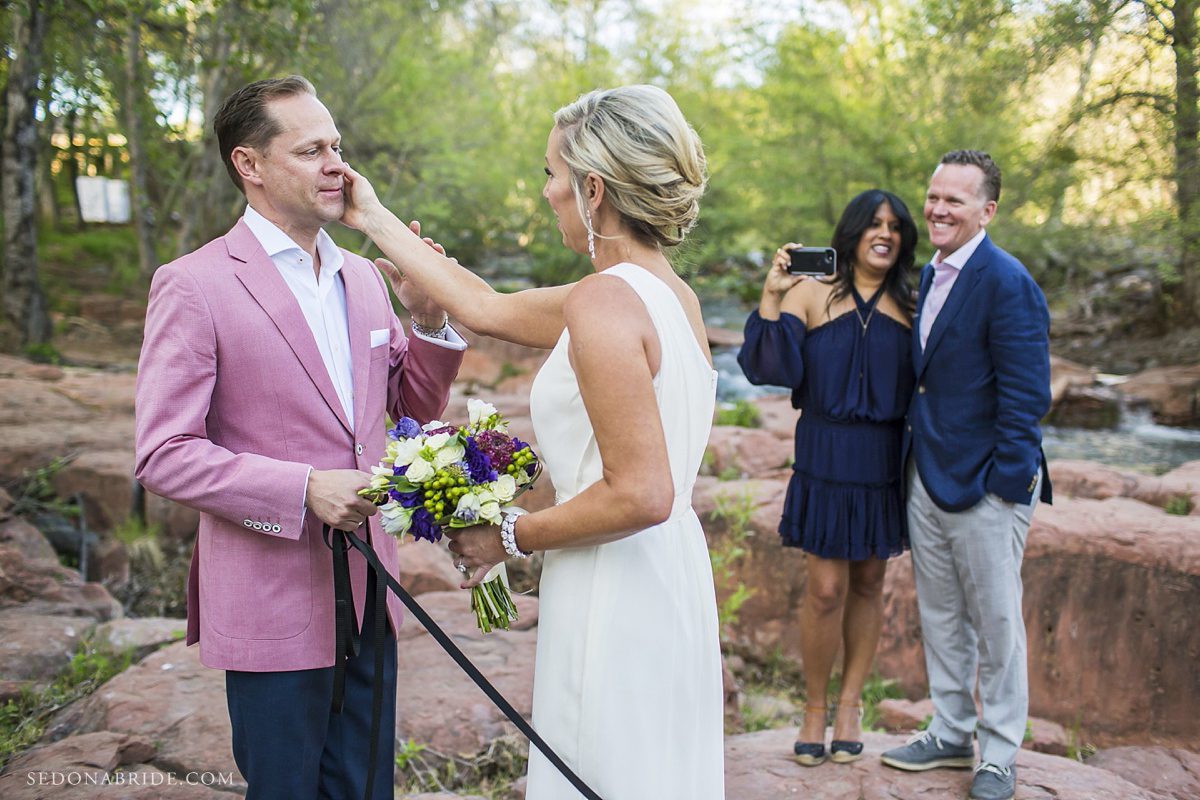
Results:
<point x="322" y="299"/>
<point x="946" y="272"/>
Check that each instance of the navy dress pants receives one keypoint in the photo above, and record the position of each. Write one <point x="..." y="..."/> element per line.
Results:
<point x="290" y="746"/>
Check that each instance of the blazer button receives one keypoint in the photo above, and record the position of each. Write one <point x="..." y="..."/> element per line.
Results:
<point x="921" y="389"/>
<point x="358" y="448"/>
<point x="910" y="428"/>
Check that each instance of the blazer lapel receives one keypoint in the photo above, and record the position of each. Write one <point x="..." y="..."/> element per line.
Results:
<point x="963" y="285"/>
<point x="358" y="315"/>
<point x="258" y="274"/>
<point x="922" y="292"/>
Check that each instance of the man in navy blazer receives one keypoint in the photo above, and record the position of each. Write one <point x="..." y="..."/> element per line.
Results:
<point x="974" y="463"/>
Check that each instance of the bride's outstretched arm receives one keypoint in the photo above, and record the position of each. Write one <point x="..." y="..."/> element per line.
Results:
<point x="533" y="317"/>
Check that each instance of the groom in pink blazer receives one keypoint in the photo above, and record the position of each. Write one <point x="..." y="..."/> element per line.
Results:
<point x="270" y="360"/>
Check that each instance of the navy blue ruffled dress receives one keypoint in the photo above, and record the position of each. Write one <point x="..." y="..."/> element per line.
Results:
<point x="853" y="387"/>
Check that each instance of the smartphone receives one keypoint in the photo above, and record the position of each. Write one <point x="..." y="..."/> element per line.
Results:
<point x="813" y="261"/>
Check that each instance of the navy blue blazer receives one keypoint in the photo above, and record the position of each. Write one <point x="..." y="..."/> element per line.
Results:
<point x="983" y="385"/>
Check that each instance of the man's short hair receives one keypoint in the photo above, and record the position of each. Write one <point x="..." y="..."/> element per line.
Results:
<point x="244" y="121"/>
<point x="978" y="158"/>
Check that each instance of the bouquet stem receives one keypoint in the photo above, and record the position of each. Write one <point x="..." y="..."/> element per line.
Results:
<point x="491" y="601"/>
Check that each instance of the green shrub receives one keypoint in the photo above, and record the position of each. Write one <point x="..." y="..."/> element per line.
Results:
<point x="1179" y="505"/>
<point x="742" y="413"/>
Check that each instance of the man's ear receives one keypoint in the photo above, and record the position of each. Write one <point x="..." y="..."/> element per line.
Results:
<point x="593" y="190"/>
<point x="246" y="162"/>
<point x="989" y="211"/>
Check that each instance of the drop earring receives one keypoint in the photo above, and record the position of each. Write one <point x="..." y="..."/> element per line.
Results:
<point x="591" y="237"/>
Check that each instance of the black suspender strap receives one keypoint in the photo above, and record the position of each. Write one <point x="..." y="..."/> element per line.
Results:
<point x="346" y="643"/>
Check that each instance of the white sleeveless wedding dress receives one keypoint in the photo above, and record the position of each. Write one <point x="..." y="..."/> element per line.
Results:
<point x="627" y="683"/>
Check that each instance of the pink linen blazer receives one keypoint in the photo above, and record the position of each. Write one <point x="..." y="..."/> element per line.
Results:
<point x="233" y="407"/>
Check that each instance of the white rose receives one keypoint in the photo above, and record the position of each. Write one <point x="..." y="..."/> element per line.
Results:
<point x="490" y="511"/>
<point x="505" y="487"/>
<point x="419" y="470"/>
<point x="449" y="455"/>
<point x="406" y="451"/>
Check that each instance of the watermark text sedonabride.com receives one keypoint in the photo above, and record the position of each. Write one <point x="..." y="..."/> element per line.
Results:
<point x="55" y="778"/>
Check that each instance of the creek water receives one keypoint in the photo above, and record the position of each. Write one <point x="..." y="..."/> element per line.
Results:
<point x="1137" y="443"/>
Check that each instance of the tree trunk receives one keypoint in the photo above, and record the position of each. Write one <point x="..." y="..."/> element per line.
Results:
<point x="24" y="302"/>
<point x="1187" y="158"/>
<point x="133" y="101"/>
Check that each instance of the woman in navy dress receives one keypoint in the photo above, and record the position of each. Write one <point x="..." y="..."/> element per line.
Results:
<point x="843" y="346"/>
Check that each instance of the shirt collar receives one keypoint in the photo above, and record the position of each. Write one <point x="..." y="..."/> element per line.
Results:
<point x="959" y="258"/>
<point x="275" y="242"/>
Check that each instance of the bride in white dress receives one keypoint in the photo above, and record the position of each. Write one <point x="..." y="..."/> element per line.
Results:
<point x="627" y="685"/>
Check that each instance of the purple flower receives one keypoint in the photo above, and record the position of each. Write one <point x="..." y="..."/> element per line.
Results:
<point x="405" y="499"/>
<point x="479" y="466"/>
<point x="424" y="526"/>
<point x="406" y="428"/>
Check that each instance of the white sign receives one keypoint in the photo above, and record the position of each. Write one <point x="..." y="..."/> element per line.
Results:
<point x="103" y="199"/>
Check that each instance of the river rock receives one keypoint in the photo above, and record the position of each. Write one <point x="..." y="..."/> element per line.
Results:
<point x="168" y="698"/>
<point x="1065" y="374"/>
<point x="1110" y="589"/>
<point x="1174" y="773"/>
<point x="1173" y="393"/>
<point x="17" y="533"/>
<point x="745" y="452"/>
<point x="759" y="766"/>
<point x="1098" y="481"/>
<point x="1090" y="407"/>
<point x="437" y="704"/>
<point x="6" y="502"/>
<point x="46" y="587"/>
<point x="100" y="766"/>
<point x="141" y="636"/>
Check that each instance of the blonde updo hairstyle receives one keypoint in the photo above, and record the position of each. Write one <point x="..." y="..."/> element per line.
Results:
<point x="651" y="161"/>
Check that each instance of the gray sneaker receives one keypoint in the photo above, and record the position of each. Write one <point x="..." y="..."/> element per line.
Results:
<point x="925" y="751"/>
<point x="993" y="783"/>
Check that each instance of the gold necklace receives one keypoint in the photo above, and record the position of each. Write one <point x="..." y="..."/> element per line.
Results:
<point x="867" y="321"/>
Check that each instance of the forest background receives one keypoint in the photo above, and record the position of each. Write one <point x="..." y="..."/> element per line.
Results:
<point x="1090" y="107"/>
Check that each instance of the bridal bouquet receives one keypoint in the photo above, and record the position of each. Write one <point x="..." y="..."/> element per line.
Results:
<point x="440" y="475"/>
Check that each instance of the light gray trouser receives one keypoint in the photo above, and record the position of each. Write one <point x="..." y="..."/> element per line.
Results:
<point x="967" y="569"/>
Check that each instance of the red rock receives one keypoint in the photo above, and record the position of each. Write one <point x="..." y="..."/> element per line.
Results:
<point x="36" y="647"/>
<point x="14" y="367"/>
<point x="142" y="635"/>
<point x="6" y="501"/>
<point x="47" y="587"/>
<point x="903" y="716"/>
<point x="104" y="765"/>
<point x="1173" y="393"/>
<point x="759" y="766"/>
<point x="426" y="567"/>
<point x="1097" y="481"/>
<point x="12" y="690"/>
<point x="1047" y="737"/>
<point x="1110" y="589"/>
<point x="777" y="415"/>
<point x="18" y="534"/>
<point x="1174" y="773"/>
<point x="437" y="704"/>
<point x="169" y="699"/>
<point x="1064" y="375"/>
<point x="745" y="452"/>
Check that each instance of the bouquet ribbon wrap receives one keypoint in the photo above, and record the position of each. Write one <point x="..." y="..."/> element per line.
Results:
<point x="346" y="643"/>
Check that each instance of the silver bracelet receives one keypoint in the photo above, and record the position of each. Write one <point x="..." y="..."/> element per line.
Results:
<point x="439" y="332"/>
<point x="508" y="533"/>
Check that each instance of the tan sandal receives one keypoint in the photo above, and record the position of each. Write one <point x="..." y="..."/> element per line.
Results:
<point x="844" y="751"/>
<point x="811" y="754"/>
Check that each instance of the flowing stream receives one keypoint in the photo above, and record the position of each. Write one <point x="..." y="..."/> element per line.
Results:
<point x="1137" y="443"/>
